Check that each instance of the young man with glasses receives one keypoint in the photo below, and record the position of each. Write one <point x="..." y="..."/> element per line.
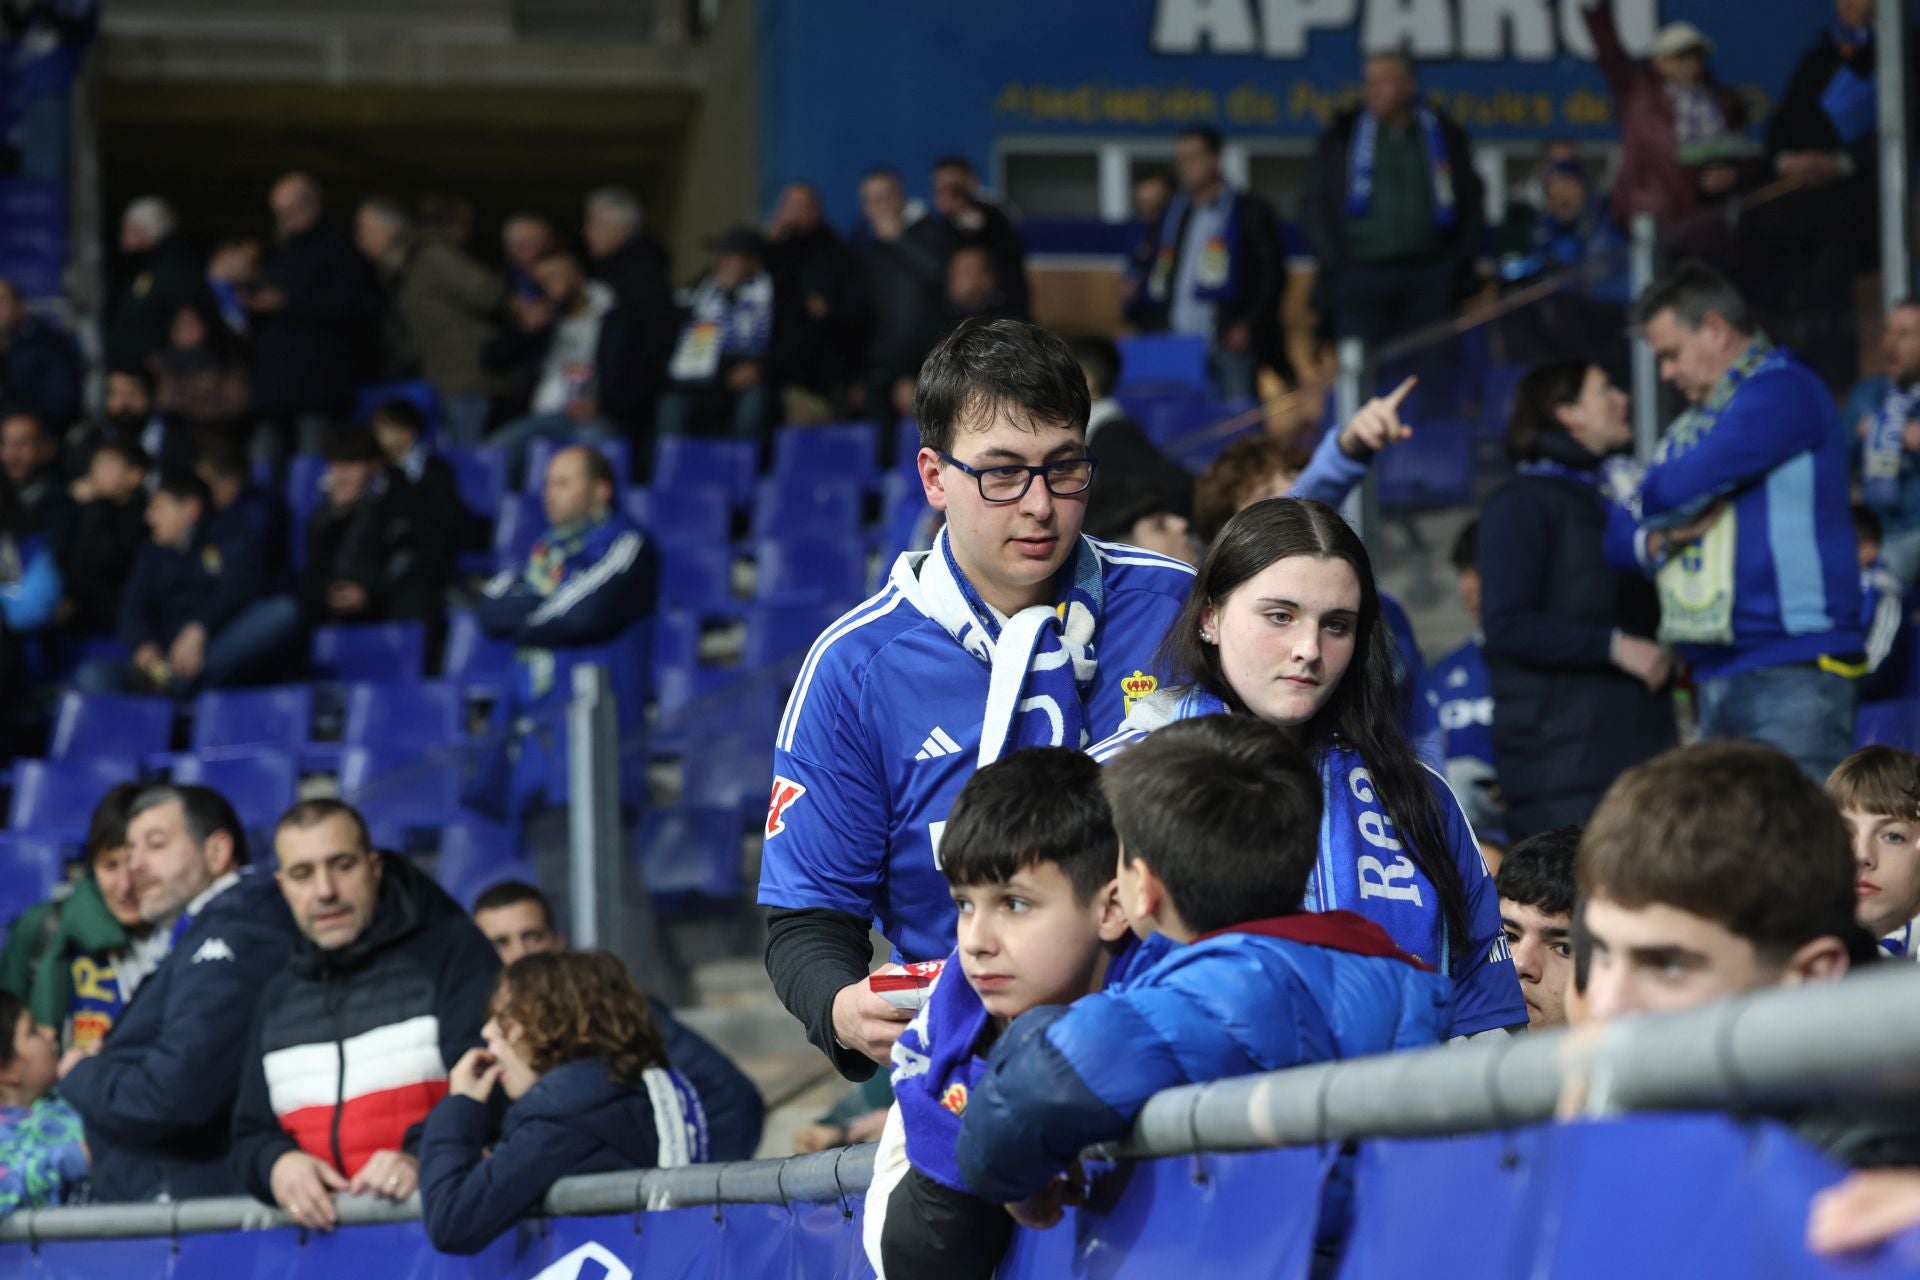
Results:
<point x="1014" y="631"/>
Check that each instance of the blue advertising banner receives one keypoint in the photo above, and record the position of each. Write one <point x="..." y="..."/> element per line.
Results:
<point x="1701" y="1196"/>
<point x="847" y="85"/>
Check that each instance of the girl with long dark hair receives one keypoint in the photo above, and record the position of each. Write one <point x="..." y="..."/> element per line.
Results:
<point x="1284" y="623"/>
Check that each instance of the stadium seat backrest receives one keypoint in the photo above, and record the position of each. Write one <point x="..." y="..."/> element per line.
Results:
<point x="674" y="517"/>
<point x="690" y="850"/>
<point x="466" y="891"/>
<point x="1432" y="469"/>
<point x="1163" y="357"/>
<point x="397" y="714"/>
<point x="841" y="452"/>
<point x="683" y="462"/>
<point x="260" y="782"/>
<point x="111" y="725"/>
<point x="402" y="789"/>
<point x="833" y="508"/>
<point x="59" y="795"/>
<point x="1895" y="723"/>
<point x="516" y="528"/>
<point x="471" y="847"/>
<point x="697" y="575"/>
<point x="471" y="655"/>
<point x="781" y="630"/>
<point x="31" y="868"/>
<point x="281" y="716"/>
<point x="369" y="651"/>
<point x="810" y="569"/>
<point x="480" y="474"/>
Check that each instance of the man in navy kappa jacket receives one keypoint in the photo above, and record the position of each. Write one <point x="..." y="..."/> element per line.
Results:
<point x="157" y="1093"/>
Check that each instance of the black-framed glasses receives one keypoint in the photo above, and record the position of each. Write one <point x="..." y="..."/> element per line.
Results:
<point x="1010" y="483"/>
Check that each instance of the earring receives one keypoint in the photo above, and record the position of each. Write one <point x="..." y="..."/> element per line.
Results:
<point x="1206" y="637"/>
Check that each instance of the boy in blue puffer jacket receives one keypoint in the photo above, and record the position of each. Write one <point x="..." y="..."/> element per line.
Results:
<point x="1251" y="984"/>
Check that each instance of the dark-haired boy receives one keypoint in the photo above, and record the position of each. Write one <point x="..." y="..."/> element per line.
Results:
<point x="1029" y="856"/>
<point x="1535" y="881"/>
<point x="1250" y="983"/>
<point x="423" y="485"/>
<point x="108" y="529"/>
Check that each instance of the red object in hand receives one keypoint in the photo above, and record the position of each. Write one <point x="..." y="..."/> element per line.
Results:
<point x="906" y="987"/>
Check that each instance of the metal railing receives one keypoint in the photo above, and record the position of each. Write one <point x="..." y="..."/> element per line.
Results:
<point x="1858" y="1039"/>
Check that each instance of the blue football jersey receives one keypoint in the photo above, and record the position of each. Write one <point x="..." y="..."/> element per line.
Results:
<point x="1466" y="703"/>
<point x="883" y="729"/>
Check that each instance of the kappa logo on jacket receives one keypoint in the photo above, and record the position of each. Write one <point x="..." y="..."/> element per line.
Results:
<point x="214" y="949"/>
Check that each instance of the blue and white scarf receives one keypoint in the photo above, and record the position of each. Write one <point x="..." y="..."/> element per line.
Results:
<point x="1361" y="159"/>
<point x="1042" y="660"/>
<point x="1616" y="477"/>
<point x="935" y="1068"/>
<point x="1882" y="455"/>
<point x="1362" y="865"/>
<point x="1216" y="277"/>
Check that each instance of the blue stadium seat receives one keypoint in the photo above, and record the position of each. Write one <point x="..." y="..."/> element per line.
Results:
<point x="111" y="726"/>
<point x="1163" y="357"/>
<point x="686" y="463"/>
<point x="369" y="651"/>
<point x="519" y="524"/>
<point x="467" y="891"/>
<point x="417" y="392"/>
<point x="31" y="868"/>
<point x="1433" y="469"/>
<point x="281" y="716"/>
<point x="472" y="659"/>
<point x="472" y="847"/>
<point x="830" y="508"/>
<point x="58" y="796"/>
<point x="781" y="630"/>
<point x="697" y="576"/>
<point x="481" y="476"/>
<point x="674" y="517"/>
<point x="831" y="454"/>
<point x="1895" y="723"/>
<point x="398" y="715"/>
<point x="906" y="445"/>
<point x="807" y="569"/>
<point x="261" y="783"/>
<point x="680" y="678"/>
<point x="690" y="852"/>
<point x="400" y="791"/>
<point x="619" y="453"/>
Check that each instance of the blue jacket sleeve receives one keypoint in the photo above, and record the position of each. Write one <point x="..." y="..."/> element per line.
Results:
<point x="189" y="1077"/>
<point x="503" y="603"/>
<point x="600" y="602"/>
<point x="28" y="604"/>
<point x="1330" y="475"/>
<point x="466" y="1198"/>
<point x="1624" y="546"/>
<point x="463" y="989"/>
<point x="1486" y="987"/>
<point x="1777" y="420"/>
<point x="1515" y="569"/>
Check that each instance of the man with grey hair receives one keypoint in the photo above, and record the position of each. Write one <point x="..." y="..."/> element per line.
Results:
<point x="159" y="275"/>
<point x="525" y="238"/>
<point x="157" y="1094"/>
<point x="1744" y="523"/>
<point x="309" y="318"/>
<point x="441" y="307"/>
<point x="636" y="267"/>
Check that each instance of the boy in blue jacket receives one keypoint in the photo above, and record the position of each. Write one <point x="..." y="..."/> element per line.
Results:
<point x="1250" y="982"/>
<point x="1028" y="855"/>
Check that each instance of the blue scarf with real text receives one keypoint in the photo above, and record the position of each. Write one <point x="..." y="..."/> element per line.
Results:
<point x="936" y="1062"/>
<point x="1364" y="153"/>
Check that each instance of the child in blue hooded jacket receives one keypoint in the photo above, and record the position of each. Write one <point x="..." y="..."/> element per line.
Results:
<point x="1251" y="983"/>
<point x="573" y="1046"/>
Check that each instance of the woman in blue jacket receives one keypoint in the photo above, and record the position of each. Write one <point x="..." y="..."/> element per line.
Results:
<point x="575" y="1050"/>
<point x="1284" y="622"/>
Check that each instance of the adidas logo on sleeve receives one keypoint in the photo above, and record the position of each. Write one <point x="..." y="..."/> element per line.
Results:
<point x="937" y="744"/>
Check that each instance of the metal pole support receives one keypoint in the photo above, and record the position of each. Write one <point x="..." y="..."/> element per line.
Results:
<point x="1890" y="75"/>
<point x="1646" y="380"/>
<point x="1362" y="507"/>
<point x="593" y="809"/>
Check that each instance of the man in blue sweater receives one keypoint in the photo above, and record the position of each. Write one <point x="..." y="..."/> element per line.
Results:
<point x="1744" y="522"/>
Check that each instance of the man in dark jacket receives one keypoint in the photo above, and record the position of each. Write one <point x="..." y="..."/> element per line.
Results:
<point x="109" y="529"/>
<point x="385" y="989"/>
<point x="245" y="510"/>
<point x="635" y="266"/>
<point x="363" y="555"/>
<point x="162" y="275"/>
<point x="423" y="484"/>
<point x="972" y="219"/>
<point x="903" y="261"/>
<point x="27" y="453"/>
<point x="312" y="321"/>
<point x="1395" y="210"/>
<point x="1216" y="269"/>
<point x="738" y="340"/>
<point x="810" y="263"/>
<point x="195" y="612"/>
<point x="39" y="363"/>
<point x="1140" y="496"/>
<point x="157" y="1093"/>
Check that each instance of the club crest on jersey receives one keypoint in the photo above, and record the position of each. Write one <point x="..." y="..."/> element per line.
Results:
<point x="785" y="792"/>
<point x="1135" y="687"/>
<point x="955" y="1099"/>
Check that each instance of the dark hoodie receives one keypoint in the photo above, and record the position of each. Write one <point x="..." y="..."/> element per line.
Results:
<point x="387" y="1015"/>
<point x="574" y="1119"/>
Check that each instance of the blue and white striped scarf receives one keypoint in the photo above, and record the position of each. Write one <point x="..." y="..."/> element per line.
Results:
<point x="1365" y="152"/>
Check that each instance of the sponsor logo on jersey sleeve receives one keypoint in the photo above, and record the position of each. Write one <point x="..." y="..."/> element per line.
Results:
<point x="785" y="792"/>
